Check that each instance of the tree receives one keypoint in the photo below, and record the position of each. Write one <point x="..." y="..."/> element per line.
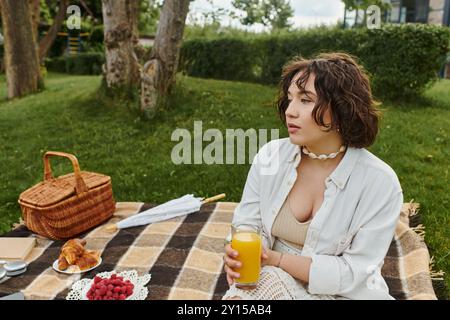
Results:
<point x="149" y="16"/>
<point x="273" y="13"/>
<point x="215" y="14"/>
<point x="34" y="6"/>
<point x="122" y="69"/>
<point x="158" y="75"/>
<point x="21" y="59"/>
<point x="46" y="42"/>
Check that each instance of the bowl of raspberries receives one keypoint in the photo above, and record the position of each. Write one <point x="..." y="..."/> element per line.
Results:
<point x="125" y="285"/>
<point x="113" y="288"/>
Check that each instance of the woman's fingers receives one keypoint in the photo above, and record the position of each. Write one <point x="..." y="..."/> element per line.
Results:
<point x="231" y="273"/>
<point x="230" y="251"/>
<point x="231" y="262"/>
<point x="264" y="257"/>
<point x="264" y="254"/>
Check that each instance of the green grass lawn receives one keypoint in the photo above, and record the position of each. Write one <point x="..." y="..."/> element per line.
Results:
<point x="111" y="138"/>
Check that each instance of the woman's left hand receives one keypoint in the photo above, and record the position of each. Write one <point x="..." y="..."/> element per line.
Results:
<point x="269" y="257"/>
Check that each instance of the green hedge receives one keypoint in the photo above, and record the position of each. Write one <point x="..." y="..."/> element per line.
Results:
<point x="96" y="35"/>
<point x="83" y="63"/>
<point x="229" y="59"/>
<point x="402" y="59"/>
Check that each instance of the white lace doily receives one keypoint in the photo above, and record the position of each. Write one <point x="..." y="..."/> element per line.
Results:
<point x="81" y="287"/>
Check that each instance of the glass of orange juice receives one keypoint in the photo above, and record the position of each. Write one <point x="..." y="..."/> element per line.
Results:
<point x="246" y="240"/>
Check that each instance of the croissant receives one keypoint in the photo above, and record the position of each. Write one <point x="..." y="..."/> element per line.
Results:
<point x="74" y="257"/>
<point x="62" y="263"/>
<point x="73" y="249"/>
<point x="88" y="260"/>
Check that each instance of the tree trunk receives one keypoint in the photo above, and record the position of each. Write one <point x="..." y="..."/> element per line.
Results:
<point x="134" y="18"/>
<point x="21" y="58"/>
<point x="159" y="72"/>
<point x="121" y="69"/>
<point x="35" y="11"/>
<point x="46" y="43"/>
<point x="139" y="50"/>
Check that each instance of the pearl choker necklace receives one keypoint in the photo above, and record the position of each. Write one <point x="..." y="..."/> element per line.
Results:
<point x="322" y="156"/>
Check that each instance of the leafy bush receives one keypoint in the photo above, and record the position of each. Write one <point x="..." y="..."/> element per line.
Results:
<point x="402" y="59"/>
<point x="96" y="35"/>
<point x="57" y="64"/>
<point x="83" y="63"/>
<point x="405" y="60"/>
<point x="94" y="43"/>
<point x="227" y="58"/>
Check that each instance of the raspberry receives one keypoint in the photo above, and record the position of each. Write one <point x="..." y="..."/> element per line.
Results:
<point x="129" y="291"/>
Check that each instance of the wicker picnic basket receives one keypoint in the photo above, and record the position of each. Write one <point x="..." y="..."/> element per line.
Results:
<point x="62" y="207"/>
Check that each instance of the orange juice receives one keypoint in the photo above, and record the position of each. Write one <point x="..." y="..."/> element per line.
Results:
<point x="248" y="245"/>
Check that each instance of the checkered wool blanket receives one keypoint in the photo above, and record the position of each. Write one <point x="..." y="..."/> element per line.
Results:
<point x="184" y="257"/>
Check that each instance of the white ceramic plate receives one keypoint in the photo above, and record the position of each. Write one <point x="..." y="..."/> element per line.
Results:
<point x="55" y="267"/>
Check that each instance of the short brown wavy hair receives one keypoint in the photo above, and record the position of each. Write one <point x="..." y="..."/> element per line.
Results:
<point x="343" y="87"/>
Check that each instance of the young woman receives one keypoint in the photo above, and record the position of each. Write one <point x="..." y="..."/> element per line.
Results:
<point x="327" y="207"/>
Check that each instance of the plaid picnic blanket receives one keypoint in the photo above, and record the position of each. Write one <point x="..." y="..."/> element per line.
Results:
<point x="406" y="267"/>
<point x="184" y="257"/>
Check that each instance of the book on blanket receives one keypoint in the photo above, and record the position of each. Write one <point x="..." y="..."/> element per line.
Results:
<point x="15" y="248"/>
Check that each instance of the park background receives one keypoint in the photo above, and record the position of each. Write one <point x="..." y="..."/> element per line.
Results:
<point x="77" y="91"/>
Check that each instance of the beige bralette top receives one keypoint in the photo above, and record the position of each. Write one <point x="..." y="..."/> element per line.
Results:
<point x="287" y="228"/>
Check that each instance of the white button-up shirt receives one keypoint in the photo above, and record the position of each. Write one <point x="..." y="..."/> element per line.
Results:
<point x="349" y="235"/>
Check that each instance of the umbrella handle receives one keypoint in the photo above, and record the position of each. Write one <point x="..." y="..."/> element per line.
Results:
<point x="112" y="227"/>
<point x="215" y="198"/>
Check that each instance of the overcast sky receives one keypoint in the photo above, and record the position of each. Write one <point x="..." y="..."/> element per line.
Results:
<point x="306" y="12"/>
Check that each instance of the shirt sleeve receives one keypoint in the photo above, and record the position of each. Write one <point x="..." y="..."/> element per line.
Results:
<point x="248" y="210"/>
<point x="360" y="264"/>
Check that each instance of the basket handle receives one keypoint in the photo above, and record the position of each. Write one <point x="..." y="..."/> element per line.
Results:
<point x="80" y="186"/>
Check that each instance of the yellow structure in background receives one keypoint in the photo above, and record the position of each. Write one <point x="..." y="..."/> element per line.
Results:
<point x="73" y="42"/>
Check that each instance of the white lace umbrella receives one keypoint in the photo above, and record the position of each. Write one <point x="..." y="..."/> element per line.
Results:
<point x="171" y="209"/>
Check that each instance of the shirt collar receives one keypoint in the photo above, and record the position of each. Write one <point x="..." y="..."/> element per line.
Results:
<point x="294" y="152"/>
<point x="342" y="172"/>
